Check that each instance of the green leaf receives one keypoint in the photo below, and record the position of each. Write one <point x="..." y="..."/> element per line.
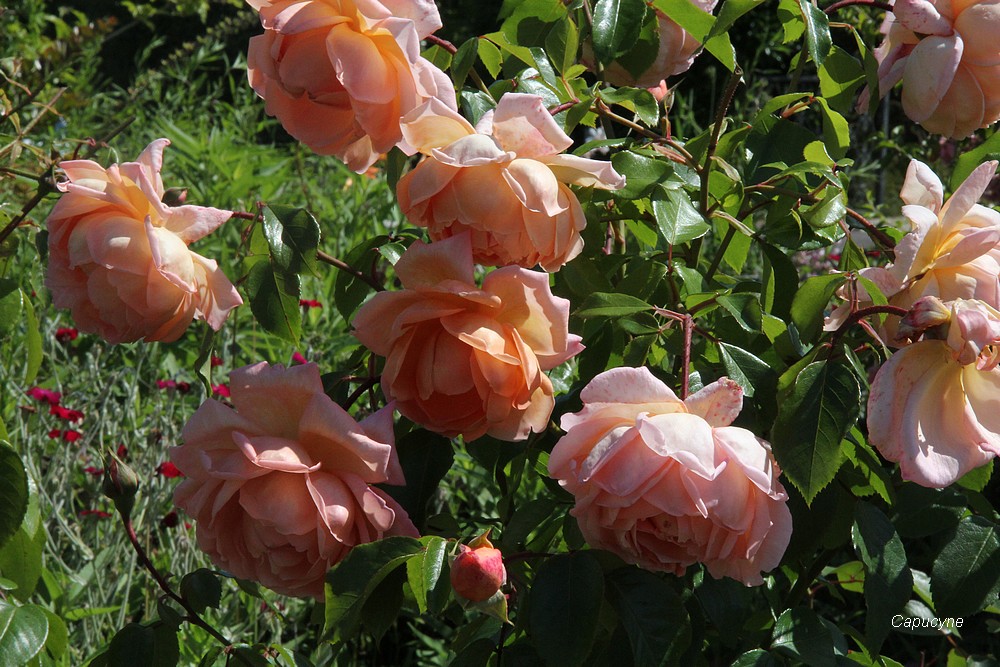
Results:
<point x="274" y="300"/>
<point x="562" y="44"/>
<point x="350" y="291"/>
<point x="641" y="173"/>
<point x="828" y="211"/>
<point x="836" y="131"/>
<point x="679" y="221"/>
<point x="490" y="56"/>
<point x="637" y="100"/>
<point x="730" y="12"/>
<point x="13" y="491"/>
<point x="887" y="575"/>
<point x="700" y="24"/>
<point x="652" y="614"/>
<point x="33" y="341"/>
<point x="58" y="640"/>
<point x="821" y="408"/>
<point x="817" y="29"/>
<point x="748" y="370"/>
<point x="810" y="302"/>
<point x="977" y="478"/>
<point x="801" y="634"/>
<point x="425" y="458"/>
<point x="23" y="632"/>
<point x="352" y="580"/>
<point x="464" y="60"/>
<point x="381" y="609"/>
<point x="609" y="304"/>
<point x="966" y="574"/>
<point x="424" y="570"/>
<point x="10" y="305"/>
<point x="616" y="27"/>
<point x="840" y="76"/>
<point x="292" y="237"/>
<point x="564" y="608"/>
<point x="201" y="589"/>
<point x="967" y="161"/>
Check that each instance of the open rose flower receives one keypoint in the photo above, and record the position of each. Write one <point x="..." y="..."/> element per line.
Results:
<point x="675" y="55"/>
<point x="464" y="360"/>
<point x="504" y="181"/>
<point x="945" y="54"/>
<point x="952" y="251"/>
<point x="932" y="406"/>
<point x="281" y="486"/>
<point x="338" y="74"/>
<point x="119" y="257"/>
<point x="666" y="483"/>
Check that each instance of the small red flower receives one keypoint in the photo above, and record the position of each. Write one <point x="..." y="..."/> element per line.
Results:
<point x="216" y="361"/>
<point x="122" y="451"/>
<point x="166" y="384"/>
<point x="170" y="520"/>
<point x="100" y="514"/>
<point x="179" y="387"/>
<point x="66" y="334"/>
<point x="299" y="359"/>
<point x="96" y="472"/>
<point x="55" y="433"/>
<point x="168" y="469"/>
<point x="310" y="303"/>
<point x="221" y="390"/>
<point x="45" y="395"/>
<point x="70" y="435"/>
<point x="183" y="387"/>
<point x="65" y="413"/>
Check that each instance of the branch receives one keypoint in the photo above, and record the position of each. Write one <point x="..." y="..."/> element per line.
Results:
<point x="874" y="232"/>
<point x="346" y="268"/>
<point x="848" y="3"/>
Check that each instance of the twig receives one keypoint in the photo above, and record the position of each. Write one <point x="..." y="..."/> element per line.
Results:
<point x="602" y="109"/>
<point x="720" y="117"/>
<point x="877" y="234"/>
<point x="858" y="315"/>
<point x="848" y="3"/>
<point x="688" y="325"/>
<point x="443" y="43"/>
<point x="346" y="268"/>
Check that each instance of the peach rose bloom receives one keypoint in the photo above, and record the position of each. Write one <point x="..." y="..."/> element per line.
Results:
<point x="504" y="181"/>
<point x="934" y="405"/>
<point x="666" y="483"/>
<point x="951" y="252"/>
<point x="119" y="258"/>
<point x="945" y="53"/>
<point x="338" y="74"/>
<point x="676" y="54"/>
<point x="281" y="486"/>
<point x="464" y="360"/>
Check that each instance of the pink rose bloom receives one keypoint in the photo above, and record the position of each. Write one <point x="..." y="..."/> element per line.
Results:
<point x="666" y="483"/>
<point x="464" y="360"/>
<point x="945" y="54"/>
<point x="952" y="251"/>
<point x="119" y="258"/>
<point x="934" y="406"/>
<point x="676" y="54"/>
<point x="281" y="487"/>
<point x="338" y="74"/>
<point x="504" y="181"/>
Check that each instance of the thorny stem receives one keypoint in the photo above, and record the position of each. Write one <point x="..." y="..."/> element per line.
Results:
<point x="563" y="107"/>
<point x="193" y="616"/>
<point x="688" y="325"/>
<point x="720" y="116"/>
<point x="443" y="43"/>
<point x="877" y="234"/>
<point x="860" y="314"/>
<point x="604" y="110"/>
<point x="848" y="3"/>
<point x="343" y="266"/>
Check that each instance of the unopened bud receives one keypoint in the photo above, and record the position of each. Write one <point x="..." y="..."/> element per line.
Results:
<point x="120" y="484"/>
<point x="174" y="196"/>
<point x="478" y="572"/>
<point x="926" y="313"/>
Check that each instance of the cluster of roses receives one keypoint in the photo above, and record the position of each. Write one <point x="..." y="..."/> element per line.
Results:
<point x="282" y="484"/>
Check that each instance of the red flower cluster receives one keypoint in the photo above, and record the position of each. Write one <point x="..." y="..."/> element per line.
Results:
<point x="69" y="435"/>
<point x="45" y="395"/>
<point x="179" y="387"/>
<point x="310" y="303"/>
<point x="66" y="334"/>
<point x="66" y="413"/>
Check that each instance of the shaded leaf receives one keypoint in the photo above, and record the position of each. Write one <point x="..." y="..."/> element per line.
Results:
<point x="564" y="608"/>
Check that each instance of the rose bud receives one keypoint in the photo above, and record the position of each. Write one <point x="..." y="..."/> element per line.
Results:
<point x="478" y="572"/>
<point x="120" y="484"/>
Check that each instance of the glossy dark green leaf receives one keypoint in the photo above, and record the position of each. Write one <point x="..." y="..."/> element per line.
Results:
<point x="616" y="27"/>
<point x="813" y="419"/>
<point x="464" y="60"/>
<point x="609" y="304"/>
<point x="201" y="589"/>
<point x="699" y="23"/>
<point x="352" y="580"/>
<point x="274" y="300"/>
<point x="887" y="575"/>
<point x="349" y="291"/>
<point x="817" y="30"/>
<point x="810" y="302"/>
<point x="677" y="218"/>
<point x="381" y="609"/>
<point x="425" y="458"/>
<point x="292" y="236"/>
<point x="748" y="370"/>
<point x="840" y="76"/>
<point x="652" y="614"/>
<point x="13" y="491"/>
<point x="424" y="570"/>
<point x="641" y="172"/>
<point x="802" y="634"/>
<point x="564" y="608"/>
<point x="966" y="574"/>
<point x="756" y="658"/>
<point x="23" y="632"/>
<point x="637" y="100"/>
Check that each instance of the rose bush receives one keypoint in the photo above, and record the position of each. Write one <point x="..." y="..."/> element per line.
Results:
<point x="945" y="54"/>
<point x="281" y="487"/>
<point x="463" y="360"/>
<point x="666" y="483"/>
<point x="338" y="74"/>
<point x="934" y="406"/>
<point x="503" y="181"/>
<point x="118" y="256"/>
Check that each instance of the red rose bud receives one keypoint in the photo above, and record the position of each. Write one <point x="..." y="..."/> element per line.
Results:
<point x="120" y="485"/>
<point x="478" y="572"/>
